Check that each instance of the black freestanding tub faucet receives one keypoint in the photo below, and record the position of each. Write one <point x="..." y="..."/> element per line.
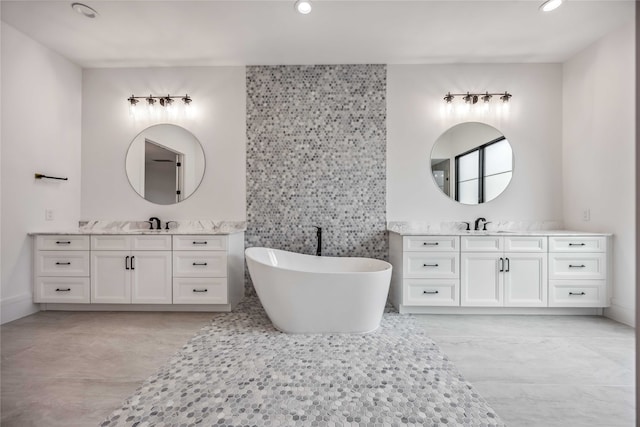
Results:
<point x="319" y="235"/>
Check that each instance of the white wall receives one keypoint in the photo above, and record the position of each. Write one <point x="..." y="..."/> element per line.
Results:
<point x="219" y="123"/>
<point x="41" y="113"/>
<point x="598" y="153"/>
<point x="416" y="117"/>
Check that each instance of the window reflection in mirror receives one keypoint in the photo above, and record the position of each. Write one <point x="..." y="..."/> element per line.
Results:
<point x="472" y="163"/>
<point x="165" y="164"/>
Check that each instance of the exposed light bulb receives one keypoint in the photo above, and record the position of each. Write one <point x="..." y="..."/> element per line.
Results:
<point x="550" y="5"/>
<point x="303" y="6"/>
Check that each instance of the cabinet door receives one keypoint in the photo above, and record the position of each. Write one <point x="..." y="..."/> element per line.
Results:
<point x="110" y="277"/>
<point x="151" y="277"/>
<point x="481" y="279"/>
<point x="525" y="280"/>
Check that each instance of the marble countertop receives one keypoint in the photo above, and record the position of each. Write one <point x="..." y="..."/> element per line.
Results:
<point x="142" y="227"/>
<point x="497" y="233"/>
<point x="497" y="228"/>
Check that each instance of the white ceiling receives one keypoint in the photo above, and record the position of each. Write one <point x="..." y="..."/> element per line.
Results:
<point x="148" y="33"/>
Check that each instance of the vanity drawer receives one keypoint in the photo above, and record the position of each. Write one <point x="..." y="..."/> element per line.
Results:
<point x="431" y="243"/>
<point x="146" y="242"/>
<point x="577" y="293"/>
<point x="61" y="290"/>
<point x="119" y="242"/>
<point x="199" y="243"/>
<point x="199" y="264"/>
<point x="578" y="244"/>
<point x="62" y="263"/>
<point x="577" y="266"/>
<point x="481" y="243"/>
<point x="427" y="292"/>
<point x="200" y="290"/>
<point x="432" y="265"/>
<point x="62" y="243"/>
<point x="525" y="244"/>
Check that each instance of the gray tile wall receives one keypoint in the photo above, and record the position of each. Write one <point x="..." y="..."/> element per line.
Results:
<point x="316" y="155"/>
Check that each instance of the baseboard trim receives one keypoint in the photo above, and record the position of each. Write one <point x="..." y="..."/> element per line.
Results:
<point x="16" y="307"/>
<point x="136" y="307"/>
<point x="622" y="314"/>
<point x="549" y="311"/>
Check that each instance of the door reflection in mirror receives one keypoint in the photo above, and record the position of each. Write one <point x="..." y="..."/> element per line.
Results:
<point x="472" y="163"/>
<point x="162" y="174"/>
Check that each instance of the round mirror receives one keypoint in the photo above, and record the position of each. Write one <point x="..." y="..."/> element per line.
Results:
<point x="165" y="164"/>
<point x="472" y="163"/>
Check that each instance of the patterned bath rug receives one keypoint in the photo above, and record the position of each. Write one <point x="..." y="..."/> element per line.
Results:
<point x="240" y="371"/>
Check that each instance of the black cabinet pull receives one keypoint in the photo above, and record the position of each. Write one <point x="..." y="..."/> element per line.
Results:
<point x="200" y="243"/>
<point x="63" y="242"/>
<point x="577" y="293"/>
<point x="126" y="263"/>
<point x="200" y="290"/>
<point x="429" y="292"/>
<point x="429" y="265"/>
<point x="577" y="266"/>
<point x="430" y="243"/>
<point x="63" y="263"/>
<point x="199" y="263"/>
<point x="508" y="265"/>
<point x="576" y="244"/>
<point x="501" y="264"/>
<point x="133" y="266"/>
<point x="63" y="290"/>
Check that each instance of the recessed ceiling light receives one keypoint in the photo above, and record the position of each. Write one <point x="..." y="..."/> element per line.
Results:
<point x="84" y="10"/>
<point x="550" y="5"/>
<point x="303" y="6"/>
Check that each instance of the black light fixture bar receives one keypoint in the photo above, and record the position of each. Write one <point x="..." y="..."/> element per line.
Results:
<point x="472" y="98"/>
<point x="162" y="100"/>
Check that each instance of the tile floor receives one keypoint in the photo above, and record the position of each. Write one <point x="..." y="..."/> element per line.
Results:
<point x="547" y="370"/>
<point x="73" y="369"/>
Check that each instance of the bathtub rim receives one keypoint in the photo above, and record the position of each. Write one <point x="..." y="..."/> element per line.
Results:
<point x="388" y="266"/>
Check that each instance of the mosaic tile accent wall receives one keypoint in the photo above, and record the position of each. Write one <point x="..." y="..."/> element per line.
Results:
<point x="316" y="155"/>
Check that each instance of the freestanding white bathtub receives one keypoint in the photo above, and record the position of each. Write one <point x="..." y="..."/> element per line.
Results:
<point x="312" y="294"/>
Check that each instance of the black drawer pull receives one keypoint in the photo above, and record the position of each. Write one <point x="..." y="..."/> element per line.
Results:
<point x="576" y="244"/>
<point x="577" y="266"/>
<point x="430" y="292"/>
<point x="63" y="263"/>
<point x="200" y="290"/>
<point x="429" y="265"/>
<point x="63" y="242"/>
<point x="577" y="293"/>
<point x="430" y="243"/>
<point x="200" y="243"/>
<point x="199" y="263"/>
<point x="63" y="290"/>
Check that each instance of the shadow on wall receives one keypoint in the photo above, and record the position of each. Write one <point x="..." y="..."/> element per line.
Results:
<point x="316" y="155"/>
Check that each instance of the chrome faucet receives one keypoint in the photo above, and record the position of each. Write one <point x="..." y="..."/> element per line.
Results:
<point x="476" y="227"/>
<point x="157" y="221"/>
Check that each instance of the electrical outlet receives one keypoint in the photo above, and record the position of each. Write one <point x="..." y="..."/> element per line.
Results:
<point x="586" y="214"/>
<point x="48" y="214"/>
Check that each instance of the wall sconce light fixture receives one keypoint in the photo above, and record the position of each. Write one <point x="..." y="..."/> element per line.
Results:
<point x="472" y="98"/>
<point x="164" y="101"/>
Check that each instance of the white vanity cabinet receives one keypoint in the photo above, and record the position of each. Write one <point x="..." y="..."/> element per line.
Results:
<point x="578" y="271"/>
<point x="121" y="274"/>
<point x="509" y="271"/>
<point x="61" y="269"/>
<point x="533" y="272"/>
<point x="163" y="271"/>
<point x="200" y="270"/>
<point x="430" y="272"/>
